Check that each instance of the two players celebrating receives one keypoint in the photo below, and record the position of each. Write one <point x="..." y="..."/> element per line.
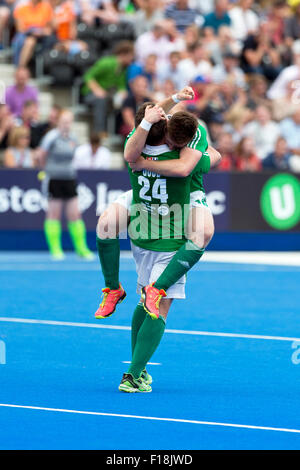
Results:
<point x="168" y="221"/>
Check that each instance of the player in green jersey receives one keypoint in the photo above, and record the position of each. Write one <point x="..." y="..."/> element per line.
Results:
<point x="200" y="224"/>
<point x="153" y="200"/>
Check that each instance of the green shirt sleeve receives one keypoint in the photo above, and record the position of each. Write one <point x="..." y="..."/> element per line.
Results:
<point x="199" y="142"/>
<point x="107" y="73"/>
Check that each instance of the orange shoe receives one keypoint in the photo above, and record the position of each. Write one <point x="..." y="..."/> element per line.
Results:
<point x="111" y="297"/>
<point x="151" y="299"/>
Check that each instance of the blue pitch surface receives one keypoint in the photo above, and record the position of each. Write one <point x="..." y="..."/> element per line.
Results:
<point x="226" y="374"/>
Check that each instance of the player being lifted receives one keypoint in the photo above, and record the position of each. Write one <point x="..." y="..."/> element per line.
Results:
<point x="180" y="131"/>
<point x="153" y="251"/>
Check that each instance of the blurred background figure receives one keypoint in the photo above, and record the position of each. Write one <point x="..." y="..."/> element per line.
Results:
<point x="247" y="157"/>
<point x="57" y="151"/>
<point x="138" y="94"/>
<point x="279" y="159"/>
<point x="34" y="25"/>
<point x="19" y="154"/>
<point x="107" y="75"/>
<point x="92" y="155"/>
<point x="17" y="94"/>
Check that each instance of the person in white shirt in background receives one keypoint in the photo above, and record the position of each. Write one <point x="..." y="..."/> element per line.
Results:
<point x="197" y="64"/>
<point x="92" y="155"/>
<point x="263" y="130"/>
<point x="280" y="87"/>
<point x="158" y="42"/>
<point x="243" y="20"/>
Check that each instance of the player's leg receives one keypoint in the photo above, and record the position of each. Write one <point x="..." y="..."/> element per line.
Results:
<point x="147" y="341"/>
<point x="200" y="229"/>
<point x="52" y="228"/>
<point x="77" y="228"/>
<point x="146" y="334"/>
<point x="113" y="221"/>
<point x="52" y="224"/>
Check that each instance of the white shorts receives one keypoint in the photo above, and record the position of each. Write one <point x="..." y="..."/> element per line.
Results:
<point x="197" y="199"/>
<point x="150" y="265"/>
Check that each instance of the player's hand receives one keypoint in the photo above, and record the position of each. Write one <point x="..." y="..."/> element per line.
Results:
<point x="154" y="114"/>
<point x="187" y="93"/>
<point x="138" y="165"/>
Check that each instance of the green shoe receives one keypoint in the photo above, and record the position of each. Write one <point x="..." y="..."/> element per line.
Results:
<point x="87" y="254"/>
<point x="131" y="385"/>
<point x="147" y="378"/>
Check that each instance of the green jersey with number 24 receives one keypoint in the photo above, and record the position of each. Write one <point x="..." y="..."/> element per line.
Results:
<point x="160" y="204"/>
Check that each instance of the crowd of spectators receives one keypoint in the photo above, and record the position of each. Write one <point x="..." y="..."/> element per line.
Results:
<point x="242" y="58"/>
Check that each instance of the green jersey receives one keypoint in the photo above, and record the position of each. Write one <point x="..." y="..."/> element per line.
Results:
<point x="160" y="205"/>
<point x="199" y="142"/>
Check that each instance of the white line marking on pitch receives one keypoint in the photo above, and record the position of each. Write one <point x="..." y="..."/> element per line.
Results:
<point x="152" y="418"/>
<point x="128" y="328"/>
<point x="148" y="363"/>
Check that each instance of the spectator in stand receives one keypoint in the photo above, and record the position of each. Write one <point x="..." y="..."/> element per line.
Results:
<point x="183" y="15"/>
<point x="244" y="22"/>
<point x="247" y="159"/>
<point x="219" y="17"/>
<point x="170" y="70"/>
<point x="148" y="70"/>
<point x="286" y="106"/>
<point x="19" y="154"/>
<point x="290" y="130"/>
<point x="138" y="95"/>
<point x="292" y="25"/>
<point x="219" y="45"/>
<point x="7" y="123"/>
<point x="17" y="94"/>
<point x="196" y="64"/>
<point x="280" y="158"/>
<point x="6" y="7"/>
<point x="229" y="70"/>
<point x="146" y="16"/>
<point x="65" y="25"/>
<point x="157" y="42"/>
<point x="225" y="146"/>
<point x="92" y="155"/>
<point x="34" y="25"/>
<point x="279" y="89"/>
<point x="96" y="12"/>
<point x="264" y="131"/>
<point x="107" y="74"/>
<point x="257" y="91"/>
<point x="276" y="18"/>
<point x="260" y="55"/>
<point x="39" y="129"/>
<point x="191" y="36"/>
<point x="236" y="119"/>
<point x="29" y="119"/>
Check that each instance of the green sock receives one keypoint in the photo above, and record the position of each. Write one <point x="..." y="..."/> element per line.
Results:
<point x="52" y="229"/>
<point x="137" y="320"/>
<point x="147" y="341"/>
<point x="185" y="258"/>
<point x="78" y="236"/>
<point x="109" y="255"/>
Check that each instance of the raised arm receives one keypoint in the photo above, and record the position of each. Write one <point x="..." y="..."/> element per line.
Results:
<point x="136" y="142"/>
<point x="187" y="93"/>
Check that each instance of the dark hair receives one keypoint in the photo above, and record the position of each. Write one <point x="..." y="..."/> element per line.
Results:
<point x="182" y="127"/>
<point x="157" y="131"/>
<point x="124" y="47"/>
<point x="95" y="138"/>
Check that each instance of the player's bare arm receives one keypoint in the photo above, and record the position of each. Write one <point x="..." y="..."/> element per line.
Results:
<point x="184" y="165"/>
